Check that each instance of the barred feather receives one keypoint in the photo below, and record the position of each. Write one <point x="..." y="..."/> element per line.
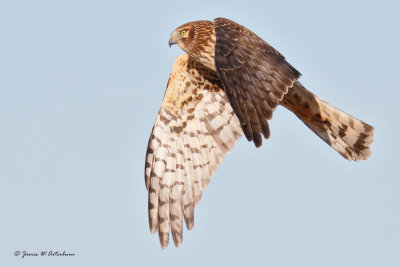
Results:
<point x="194" y="129"/>
<point x="228" y="85"/>
<point x="349" y="136"/>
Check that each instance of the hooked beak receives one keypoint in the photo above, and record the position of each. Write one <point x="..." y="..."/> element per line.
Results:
<point x="170" y="43"/>
<point x="173" y="39"/>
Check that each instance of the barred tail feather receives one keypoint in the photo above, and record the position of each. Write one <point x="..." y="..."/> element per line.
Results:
<point x="349" y="136"/>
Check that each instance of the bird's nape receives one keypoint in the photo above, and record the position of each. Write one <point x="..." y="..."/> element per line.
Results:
<point x="228" y="85"/>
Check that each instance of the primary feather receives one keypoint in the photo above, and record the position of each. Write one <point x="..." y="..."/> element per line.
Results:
<point x="227" y="85"/>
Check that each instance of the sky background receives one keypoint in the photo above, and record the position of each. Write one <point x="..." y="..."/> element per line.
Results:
<point x="80" y="86"/>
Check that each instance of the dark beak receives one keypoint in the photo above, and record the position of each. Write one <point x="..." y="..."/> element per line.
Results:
<point x="172" y="40"/>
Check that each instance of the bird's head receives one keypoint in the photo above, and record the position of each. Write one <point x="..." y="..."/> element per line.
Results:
<point x="192" y="36"/>
<point x="183" y="36"/>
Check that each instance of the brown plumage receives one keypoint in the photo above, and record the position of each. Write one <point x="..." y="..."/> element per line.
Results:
<point x="227" y="85"/>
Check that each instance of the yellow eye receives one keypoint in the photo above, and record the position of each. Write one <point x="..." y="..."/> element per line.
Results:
<point x="183" y="32"/>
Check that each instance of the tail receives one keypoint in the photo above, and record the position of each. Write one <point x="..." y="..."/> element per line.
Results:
<point x="344" y="133"/>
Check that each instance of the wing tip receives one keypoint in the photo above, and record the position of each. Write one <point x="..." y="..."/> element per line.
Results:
<point x="164" y="239"/>
<point x="189" y="223"/>
<point x="177" y="237"/>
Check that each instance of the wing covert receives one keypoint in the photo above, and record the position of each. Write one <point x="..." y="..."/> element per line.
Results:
<point x="194" y="130"/>
<point x="254" y="76"/>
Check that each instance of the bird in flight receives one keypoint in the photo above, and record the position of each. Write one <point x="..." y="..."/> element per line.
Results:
<point x="227" y="85"/>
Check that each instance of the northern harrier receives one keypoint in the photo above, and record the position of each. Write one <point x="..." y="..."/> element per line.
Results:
<point x="228" y="84"/>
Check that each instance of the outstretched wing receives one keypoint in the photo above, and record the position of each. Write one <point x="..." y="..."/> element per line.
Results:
<point x="254" y="75"/>
<point x="194" y="129"/>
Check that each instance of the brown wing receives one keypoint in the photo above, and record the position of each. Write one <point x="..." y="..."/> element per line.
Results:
<point x="254" y="76"/>
<point x="194" y="130"/>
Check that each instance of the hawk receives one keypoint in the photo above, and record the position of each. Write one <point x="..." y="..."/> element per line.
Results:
<point x="227" y="85"/>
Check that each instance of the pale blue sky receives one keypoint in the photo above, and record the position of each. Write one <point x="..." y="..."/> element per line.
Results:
<point x="80" y="86"/>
